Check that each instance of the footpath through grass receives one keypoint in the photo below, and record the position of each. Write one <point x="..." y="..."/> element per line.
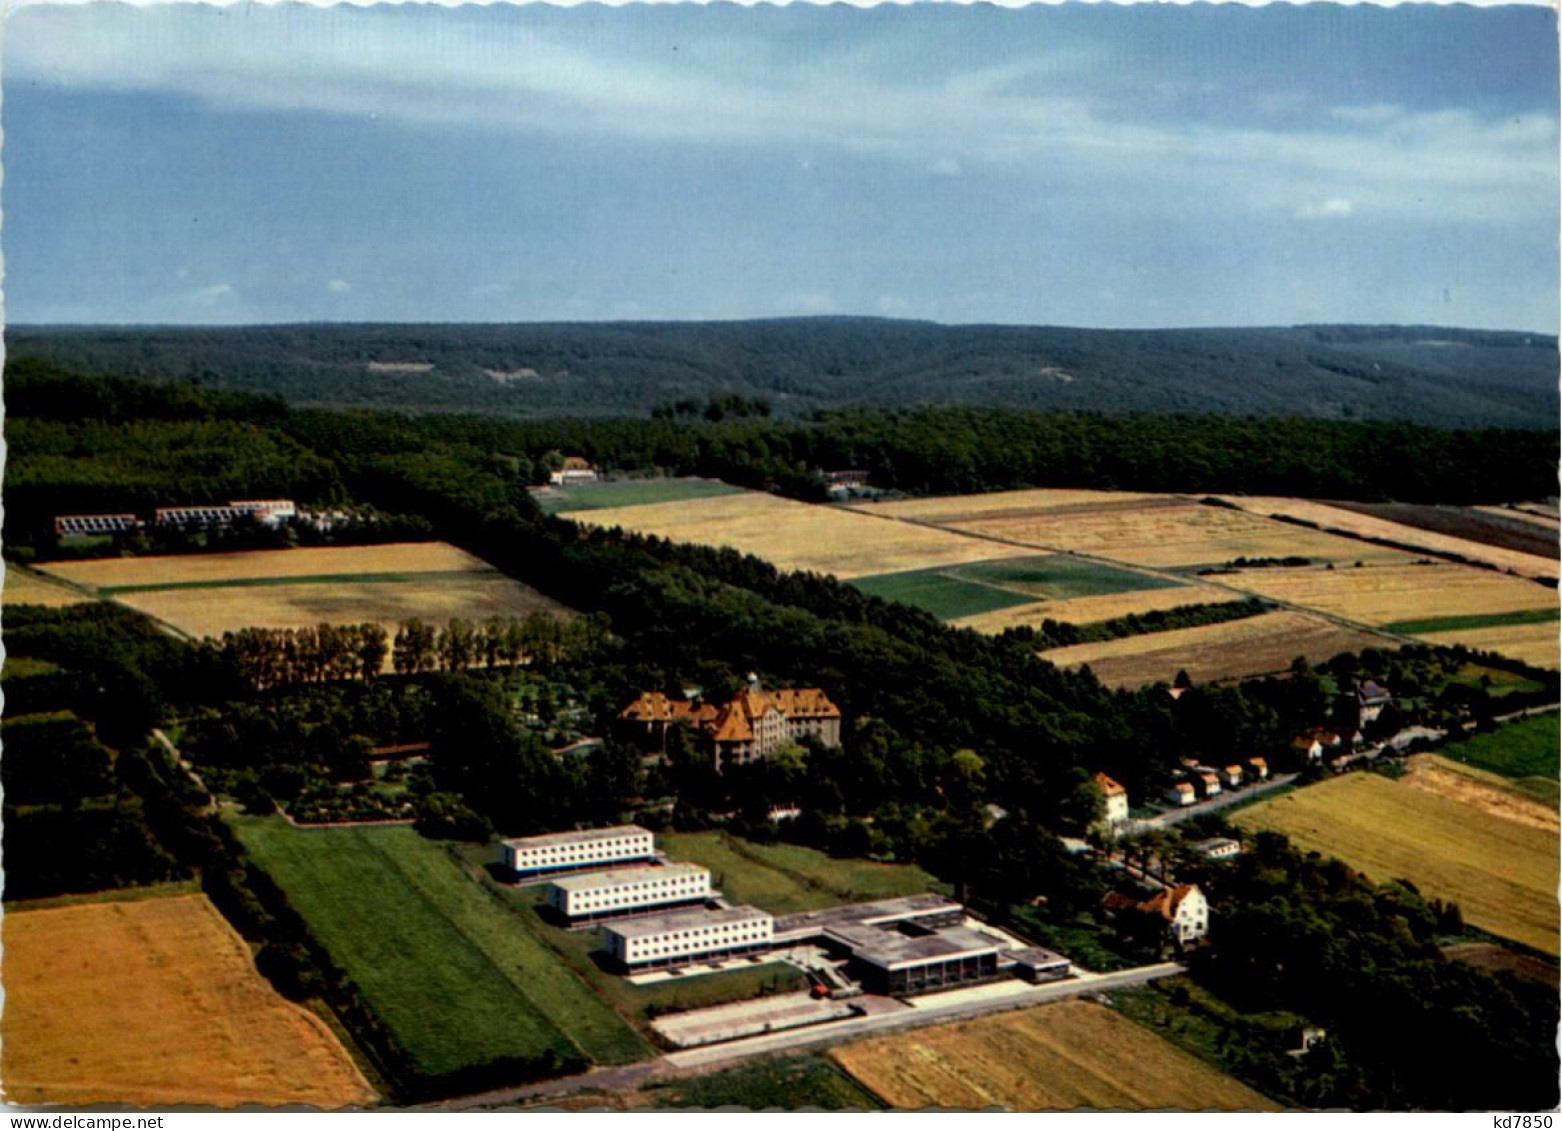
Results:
<point x="441" y="962"/>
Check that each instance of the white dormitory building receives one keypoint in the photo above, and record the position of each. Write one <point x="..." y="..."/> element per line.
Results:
<point x="557" y="852"/>
<point x="598" y="894"/>
<point x="680" y="937"/>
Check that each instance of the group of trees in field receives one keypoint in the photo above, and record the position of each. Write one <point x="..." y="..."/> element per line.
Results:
<point x="325" y="653"/>
<point x="1060" y="634"/>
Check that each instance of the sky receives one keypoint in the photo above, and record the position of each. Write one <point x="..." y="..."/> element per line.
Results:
<point x="1083" y="165"/>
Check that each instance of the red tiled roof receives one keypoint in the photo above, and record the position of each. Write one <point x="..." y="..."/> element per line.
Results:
<point x="1108" y="786"/>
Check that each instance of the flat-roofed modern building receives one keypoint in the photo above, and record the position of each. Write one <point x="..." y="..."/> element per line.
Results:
<point x="558" y="852"/>
<point x="195" y="516"/>
<point x="679" y="937"/>
<point x="892" y="962"/>
<point x="595" y="895"/>
<point x="85" y="525"/>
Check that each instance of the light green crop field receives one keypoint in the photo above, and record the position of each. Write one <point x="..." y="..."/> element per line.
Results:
<point x="629" y="493"/>
<point x="953" y="592"/>
<point x="1526" y="751"/>
<point x="447" y="968"/>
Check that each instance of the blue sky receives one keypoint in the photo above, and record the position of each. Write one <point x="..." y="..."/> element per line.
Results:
<point x="1074" y="165"/>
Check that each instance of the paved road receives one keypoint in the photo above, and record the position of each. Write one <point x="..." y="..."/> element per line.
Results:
<point x="962" y="1005"/>
<point x="1222" y="800"/>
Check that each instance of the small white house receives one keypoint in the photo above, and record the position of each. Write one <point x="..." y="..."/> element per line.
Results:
<point x="1181" y="793"/>
<point x="1185" y="910"/>
<point x="1116" y="798"/>
<point x="1231" y="776"/>
<point x="1217" y="848"/>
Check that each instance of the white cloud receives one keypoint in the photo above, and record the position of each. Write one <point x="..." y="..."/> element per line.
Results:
<point x="338" y="286"/>
<point x="217" y="292"/>
<point x="1335" y="208"/>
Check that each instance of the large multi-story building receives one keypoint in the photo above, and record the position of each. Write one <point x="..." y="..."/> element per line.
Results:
<point x="595" y="895"/>
<point x="557" y="852"/>
<point x="679" y="937"/>
<point x="748" y="726"/>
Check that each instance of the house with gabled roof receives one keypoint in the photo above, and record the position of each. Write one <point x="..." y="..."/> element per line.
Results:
<point x="1115" y="796"/>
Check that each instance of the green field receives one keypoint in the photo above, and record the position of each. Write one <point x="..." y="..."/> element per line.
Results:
<point x="936" y="591"/>
<point x="23" y="667"/>
<point x="951" y="592"/>
<point x="629" y="493"/>
<point x="1526" y="751"/>
<point x="794" y="1082"/>
<point x="1498" y="681"/>
<point x="1474" y="620"/>
<point x="785" y="878"/>
<point x="444" y="965"/>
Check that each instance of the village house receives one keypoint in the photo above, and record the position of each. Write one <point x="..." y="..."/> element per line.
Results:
<point x="746" y="728"/>
<point x="1206" y="781"/>
<point x="575" y="470"/>
<point x="1181" y="793"/>
<point x="1185" y="910"/>
<point x="1371" y="698"/>
<point x="1116" y="798"/>
<point x="1313" y="745"/>
<point x="1231" y="776"/>
<point x="1216" y="848"/>
<point x="1258" y="768"/>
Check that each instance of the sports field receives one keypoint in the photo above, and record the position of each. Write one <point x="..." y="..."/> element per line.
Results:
<point x="1370" y="525"/>
<point x="1165" y="531"/>
<point x="209" y="594"/>
<point x="1072" y="1054"/>
<point x="1255" y="646"/>
<point x="154" y="1002"/>
<point x="785" y="878"/>
<point x="1092" y="610"/>
<point x="23" y="587"/>
<point x="628" y="493"/>
<point x="800" y="536"/>
<point x="1501" y="872"/>
<point x="442" y="962"/>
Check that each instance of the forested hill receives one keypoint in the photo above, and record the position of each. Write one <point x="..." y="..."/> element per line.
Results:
<point x="1434" y="376"/>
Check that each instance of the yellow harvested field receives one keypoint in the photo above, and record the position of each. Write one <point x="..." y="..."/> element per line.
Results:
<point x="25" y="588"/>
<point x="799" y="536"/>
<point x="155" y="1002"/>
<point x="1501" y="872"/>
<point x="1383" y="594"/>
<point x="1532" y="643"/>
<point x="942" y="507"/>
<point x="1255" y="646"/>
<point x="1089" y="610"/>
<point x="1369" y="526"/>
<point x="211" y="612"/>
<point x="1491" y="793"/>
<point x="180" y="569"/>
<point x="1166" y="531"/>
<point x="1072" y="1054"/>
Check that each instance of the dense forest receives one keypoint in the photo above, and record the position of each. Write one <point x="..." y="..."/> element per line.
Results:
<point x="1428" y="375"/>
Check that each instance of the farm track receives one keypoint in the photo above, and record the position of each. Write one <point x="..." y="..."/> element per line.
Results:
<point x="1158" y="574"/>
